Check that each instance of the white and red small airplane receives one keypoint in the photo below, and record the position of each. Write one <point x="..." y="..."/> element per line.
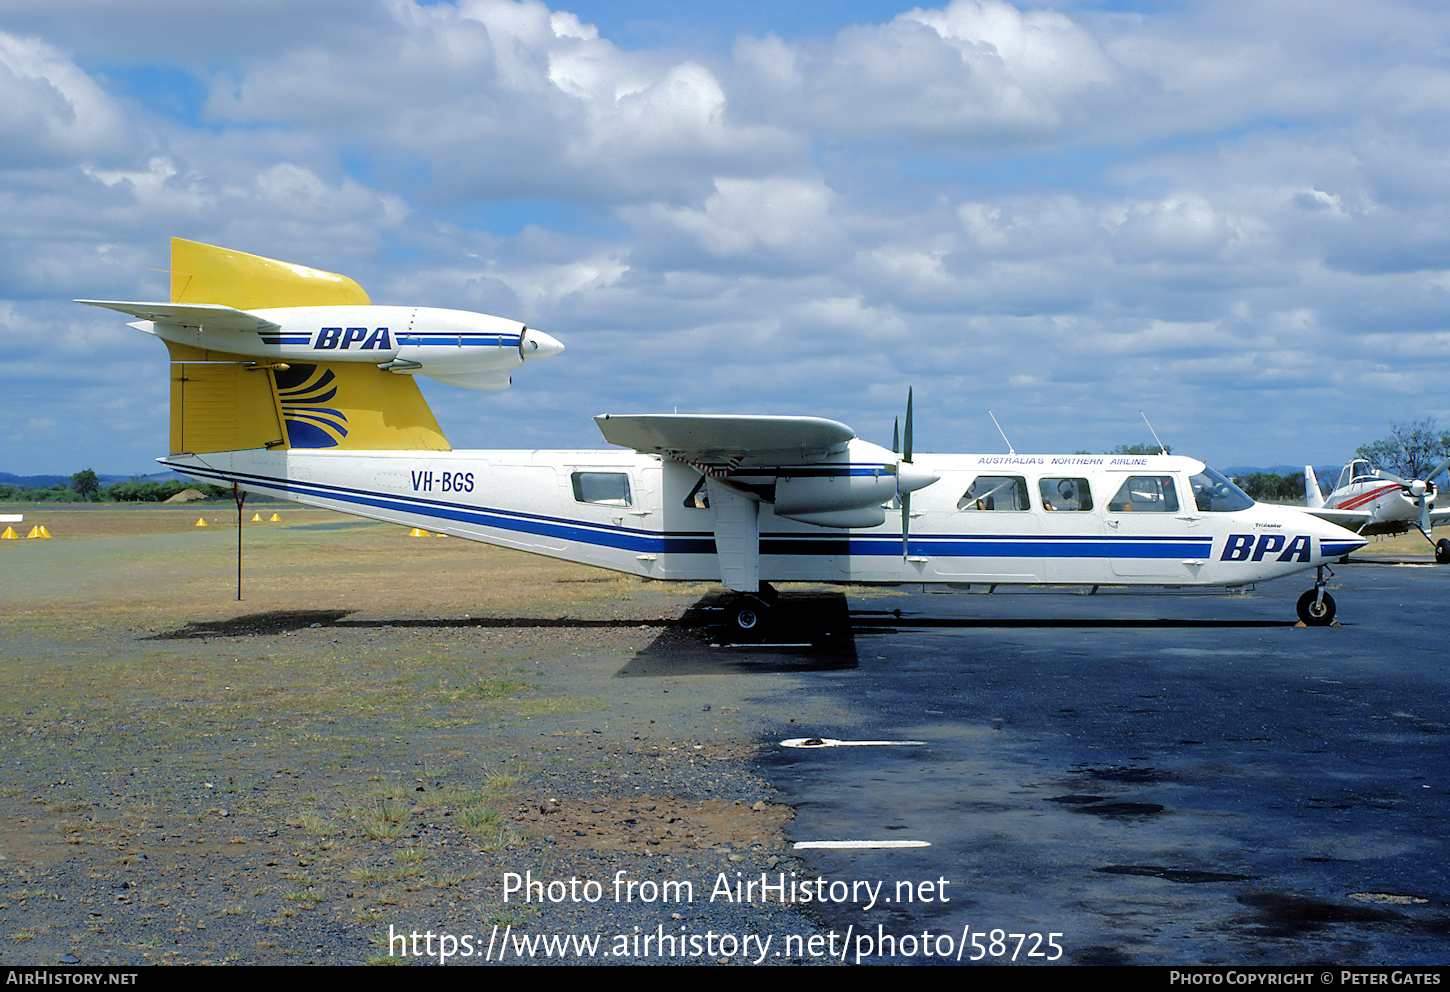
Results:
<point x="740" y="500"/>
<point x="1372" y="501"/>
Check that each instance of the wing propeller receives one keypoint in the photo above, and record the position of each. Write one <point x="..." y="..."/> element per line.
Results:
<point x="908" y="478"/>
<point x="905" y="496"/>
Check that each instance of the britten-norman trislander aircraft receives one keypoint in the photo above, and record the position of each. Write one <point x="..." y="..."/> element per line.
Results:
<point x="743" y="500"/>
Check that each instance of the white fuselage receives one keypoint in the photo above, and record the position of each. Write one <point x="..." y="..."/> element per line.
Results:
<point x="1389" y="509"/>
<point x="642" y="514"/>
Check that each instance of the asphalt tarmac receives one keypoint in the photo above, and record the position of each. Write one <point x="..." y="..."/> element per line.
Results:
<point x="1133" y="778"/>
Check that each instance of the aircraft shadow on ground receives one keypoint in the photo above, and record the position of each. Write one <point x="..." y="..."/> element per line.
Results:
<point x="284" y="621"/>
<point x="815" y="634"/>
<point x="815" y="630"/>
<point x="812" y="632"/>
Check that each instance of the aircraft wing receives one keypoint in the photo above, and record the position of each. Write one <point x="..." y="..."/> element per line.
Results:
<point x="1348" y="519"/>
<point x="716" y="439"/>
<point x="213" y="316"/>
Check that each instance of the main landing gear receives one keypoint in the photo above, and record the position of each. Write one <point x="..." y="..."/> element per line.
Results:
<point x="1442" y="547"/>
<point x="1316" y="607"/>
<point x="751" y="614"/>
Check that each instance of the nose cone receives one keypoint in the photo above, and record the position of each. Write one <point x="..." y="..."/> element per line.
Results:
<point x="534" y="345"/>
<point x="910" y="478"/>
<point x="1336" y="542"/>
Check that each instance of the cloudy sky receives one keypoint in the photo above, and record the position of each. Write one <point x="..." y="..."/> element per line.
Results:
<point x="1232" y="216"/>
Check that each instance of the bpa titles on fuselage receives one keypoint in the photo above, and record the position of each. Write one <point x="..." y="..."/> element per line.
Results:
<point x="1240" y="547"/>
<point x="341" y="338"/>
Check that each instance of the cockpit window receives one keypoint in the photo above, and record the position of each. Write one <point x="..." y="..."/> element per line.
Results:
<point x="1215" y="494"/>
<point x="995" y="492"/>
<point x="1356" y="471"/>
<point x="1065" y="494"/>
<point x="1145" y="494"/>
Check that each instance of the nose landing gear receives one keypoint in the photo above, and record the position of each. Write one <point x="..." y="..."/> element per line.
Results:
<point x="1316" y="607"/>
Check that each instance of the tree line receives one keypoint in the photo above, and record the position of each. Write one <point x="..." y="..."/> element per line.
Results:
<point x="85" y="487"/>
<point x="1410" y="451"/>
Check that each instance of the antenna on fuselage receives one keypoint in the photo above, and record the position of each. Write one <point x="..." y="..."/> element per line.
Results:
<point x="1161" y="450"/>
<point x="1010" y="449"/>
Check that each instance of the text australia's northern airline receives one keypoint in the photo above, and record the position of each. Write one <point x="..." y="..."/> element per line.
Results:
<point x="287" y="381"/>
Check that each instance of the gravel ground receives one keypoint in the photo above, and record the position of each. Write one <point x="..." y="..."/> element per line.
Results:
<point x="193" y="780"/>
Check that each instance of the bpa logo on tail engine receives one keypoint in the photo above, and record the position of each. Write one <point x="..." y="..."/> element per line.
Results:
<point x="330" y="338"/>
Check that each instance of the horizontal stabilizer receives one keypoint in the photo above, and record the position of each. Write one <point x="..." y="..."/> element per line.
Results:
<point x="1348" y="519"/>
<point x="709" y="438"/>
<point x="212" y="316"/>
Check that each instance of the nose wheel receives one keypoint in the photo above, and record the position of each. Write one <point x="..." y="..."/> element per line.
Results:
<point x="1316" y="607"/>
<point x="1442" y="551"/>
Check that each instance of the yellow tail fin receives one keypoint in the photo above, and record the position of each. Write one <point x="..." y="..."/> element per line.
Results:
<point x="226" y="402"/>
<point x="207" y="274"/>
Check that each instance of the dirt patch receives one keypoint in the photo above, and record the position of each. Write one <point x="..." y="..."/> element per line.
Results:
<point x="651" y="823"/>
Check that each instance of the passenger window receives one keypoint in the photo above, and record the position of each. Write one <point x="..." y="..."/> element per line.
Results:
<point x="995" y="492"/>
<point x="1146" y="494"/>
<point x="608" y="488"/>
<point x="1065" y="494"/>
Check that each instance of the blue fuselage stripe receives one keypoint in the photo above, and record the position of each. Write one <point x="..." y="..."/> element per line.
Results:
<point x="703" y="542"/>
<point x="409" y="340"/>
<point x="455" y="340"/>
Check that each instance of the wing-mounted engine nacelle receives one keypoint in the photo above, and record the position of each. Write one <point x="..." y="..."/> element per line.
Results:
<point x="848" y="493"/>
<point x="861" y="516"/>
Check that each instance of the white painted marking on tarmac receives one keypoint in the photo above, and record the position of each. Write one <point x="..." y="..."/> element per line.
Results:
<point x="831" y="742"/>
<point x="839" y="845"/>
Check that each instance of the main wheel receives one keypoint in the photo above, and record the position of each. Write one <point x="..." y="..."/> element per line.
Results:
<point x="1442" y="551"/>
<point x="1316" y="610"/>
<point x="748" y="618"/>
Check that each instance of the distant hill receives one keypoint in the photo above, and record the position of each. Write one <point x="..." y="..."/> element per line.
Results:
<point x="45" y="481"/>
